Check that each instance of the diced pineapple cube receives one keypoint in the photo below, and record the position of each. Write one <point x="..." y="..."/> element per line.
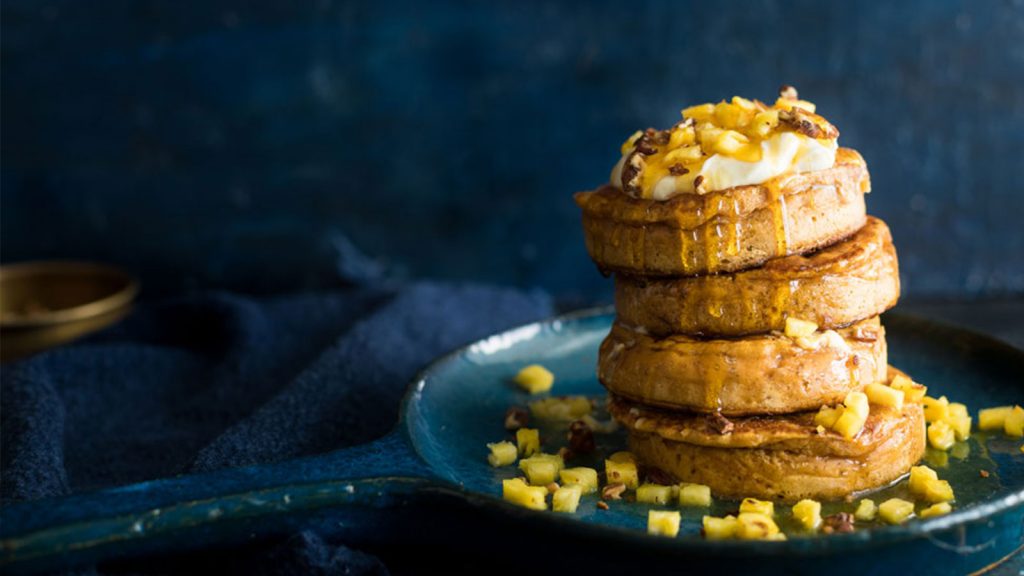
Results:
<point x="528" y="441"/>
<point x="663" y="523"/>
<point x="935" y="510"/>
<point x="1014" y="423"/>
<point x="937" y="491"/>
<point x="566" y="498"/>
<point x="884" y="395"/>
<point x="797" y="328"/>
<point x="699" y="112"/>
<point x="895" y="510"/>
<point x="585" y="478"/>
<point x="827" y="416"/>
<point x="858" y="403"/>
<point x="993" y="418"/>
<point x="564" y="408"/>
<point x="866" y="510"/>
<point x="518" y="492"/>
<point x="684" y="154"/>
<point x="808" y="513"/>
<point x="936" y="458"/>
<point x="653" y="494"/>
<point x="787" y="104"/>
<point x="958" y="410"/>
<point x="919" y="477"/>
<point x="535" y="379"/>
<point x="694" y="495"/>
<point x="730" y="142"/>
<point x="728" y="115"/>
<point x="765" y="122"/>
<point x="502" y="454"/>
<point x="941" y="435"/>
<point x="960" y="450"/>
<point x="622" y="472"/>
<point x="849" y="424"/>
<point x="912" y="391"/>
<point x="935" y="409"/>
<point x="541" y="469"/>
<point x="719" y="528"/>
<point x="623" y="456"/>
<point x="756" y="506"/>
<point x="682" y="135"/>
<point x="755" y="526"/>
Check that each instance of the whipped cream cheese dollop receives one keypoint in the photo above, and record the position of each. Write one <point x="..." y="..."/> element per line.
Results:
<point x="719" y="146"/>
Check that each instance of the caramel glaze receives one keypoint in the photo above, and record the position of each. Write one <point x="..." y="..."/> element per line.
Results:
<point x="725" y="230"/>
<point x="834" y="287"/>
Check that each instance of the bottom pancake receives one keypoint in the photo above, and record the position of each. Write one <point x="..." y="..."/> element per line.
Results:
<point x="781" y="457"/>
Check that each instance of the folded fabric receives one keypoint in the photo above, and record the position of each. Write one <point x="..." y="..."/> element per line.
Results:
<point x="219" y="380"/>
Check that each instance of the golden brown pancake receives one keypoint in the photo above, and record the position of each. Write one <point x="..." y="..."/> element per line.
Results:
<point x="725" y="230"/>
<point x="765" y="374"/>
<point x="834" y="287"/>
<point x="775" y="457"/>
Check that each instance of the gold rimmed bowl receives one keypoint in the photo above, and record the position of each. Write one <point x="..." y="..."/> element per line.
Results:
<point x="46" y="304"/>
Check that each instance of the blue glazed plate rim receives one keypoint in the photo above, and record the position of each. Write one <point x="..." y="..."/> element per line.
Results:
<point x="877" y="535"/>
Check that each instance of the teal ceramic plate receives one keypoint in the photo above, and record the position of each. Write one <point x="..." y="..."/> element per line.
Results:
<point x="437" y="455"/>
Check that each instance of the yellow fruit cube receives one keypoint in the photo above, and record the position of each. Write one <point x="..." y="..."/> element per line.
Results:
<point x="937" y="491"/>
<point x="541" y="469"/>
<point x="565" y="408"/>
<point x="700" y="112"/>
<point x="528" y="441"/>
<point x="884" y="395"/>
<point x="566" y="499"/>
<point x="719" y="528"/>
<point x="764" y="123"/>
<point x="849" y="424"/>
<point x="502" y="454"/>
<point x="654" y="494"/>
<point x="796" y="328"/>
<point x="535" y="379"/>
<point x="520" y="493"/>
<point x="827" y="416"/>
<point x="941" y="435"/>
<point x="993" y="418"/>
<point x="808" y="514"/>
<point x="866" y="510"/>
<point x="935" y="409"/>
<point x="623" y="456"/>
<point x="755" y="506"/>
<point x="682" y="135"/>
<point x="919" y="478"/>
<point x="936" y="458"/>
<point x="684" y="155"/>
<point x="694" y="495"/>
<point x="621" y="472"/>
<point x="935" y="510"/>
<point x="730" y="142"/>
<point x="663" y="523"/>
<point x="585" y="478"/>
<point x="958" y="410"/>
<point x="912" y="391"/>
<point x="755" y="526"/>
<point x="1014" y="423"/>
<point x="858" y="403"/>
<point x="895" y="510"/>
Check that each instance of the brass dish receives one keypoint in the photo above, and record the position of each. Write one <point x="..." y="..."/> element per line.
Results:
<point x="45" y="304"/>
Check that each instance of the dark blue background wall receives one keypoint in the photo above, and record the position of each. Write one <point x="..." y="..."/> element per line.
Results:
<point x="248" y="144"/>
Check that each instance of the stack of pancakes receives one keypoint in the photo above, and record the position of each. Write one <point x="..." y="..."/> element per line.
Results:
<point x="699" y="365"/>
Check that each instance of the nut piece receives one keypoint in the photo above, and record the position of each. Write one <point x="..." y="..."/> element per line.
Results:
<point x="720" y="424"/>
<point x="788" y="92"/>
<point x="613" y="491"/>
<point x="841" y="523"/>
<point x="516" y="417"/>
<point x="602" y="505"/>
<point x="807" y="123"/>
<point x="581" y="437"/>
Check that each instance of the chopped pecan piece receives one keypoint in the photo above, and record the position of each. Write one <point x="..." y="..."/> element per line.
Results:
<point x="720" y="424"/>
<point x="802" y="121"/>
<point x="983" y="473"/>
<point x="841" y="522"/>
<point x="677" y="170"/>
<point x="601" y="504"/>
<point x="631" y="172"/>
<point x="516" y="417"/>
<point x="581" y="437"/>
<point x="788" y="92"/>
<point x="613" y="491"/>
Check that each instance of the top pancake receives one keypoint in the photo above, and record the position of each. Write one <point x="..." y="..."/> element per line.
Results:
<point x="725" y="230"/>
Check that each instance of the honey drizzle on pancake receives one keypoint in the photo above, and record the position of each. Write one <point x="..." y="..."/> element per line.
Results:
<point x="777" y="204"/>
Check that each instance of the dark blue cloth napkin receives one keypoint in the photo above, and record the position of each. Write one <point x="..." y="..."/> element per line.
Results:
<point x="219" y="380"/>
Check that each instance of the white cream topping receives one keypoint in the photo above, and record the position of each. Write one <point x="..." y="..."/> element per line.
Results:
<point x="784" y="152"/>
